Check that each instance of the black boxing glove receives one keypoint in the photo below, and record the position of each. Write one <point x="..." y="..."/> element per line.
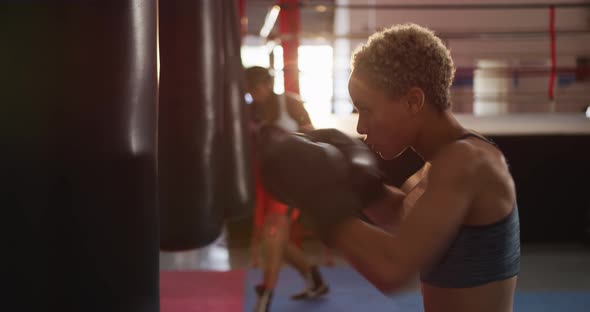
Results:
<point x="366" y="178"/>
<point x="313" y="176"/>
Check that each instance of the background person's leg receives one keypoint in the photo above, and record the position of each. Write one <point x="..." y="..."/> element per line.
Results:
<point x="275" y="234"/>
<point x="315" y="285"/>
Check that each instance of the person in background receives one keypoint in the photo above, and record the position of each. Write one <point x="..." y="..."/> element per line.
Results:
<point x="285" y="111"/>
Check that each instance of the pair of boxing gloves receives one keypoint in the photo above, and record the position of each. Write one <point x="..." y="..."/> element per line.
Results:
<point x="328" y="175"/>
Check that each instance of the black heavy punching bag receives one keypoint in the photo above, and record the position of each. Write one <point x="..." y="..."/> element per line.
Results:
<point x="190" y="122"/>
<point x="237" y="187"/>
<point x="79" y="97"/>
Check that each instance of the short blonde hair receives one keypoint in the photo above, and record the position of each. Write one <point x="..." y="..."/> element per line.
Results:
<point x="405" y="56"/>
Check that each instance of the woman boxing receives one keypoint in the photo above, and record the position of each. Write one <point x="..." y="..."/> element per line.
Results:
<point x="458" y="228"/>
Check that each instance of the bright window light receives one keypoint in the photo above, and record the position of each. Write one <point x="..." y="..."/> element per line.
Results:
<point x="255" y="56"/>
<point x="316" y="81"/>
<point x="278" y="58"/>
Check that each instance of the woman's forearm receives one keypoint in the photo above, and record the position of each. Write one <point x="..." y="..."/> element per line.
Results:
<point x="373" y="253"/>
<point x="387" y="212"/>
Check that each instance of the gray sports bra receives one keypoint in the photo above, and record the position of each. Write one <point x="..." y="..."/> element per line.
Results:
<point x="479" y="254"/>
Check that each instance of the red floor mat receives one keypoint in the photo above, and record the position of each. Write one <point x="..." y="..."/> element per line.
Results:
<point x="191" y="291"/>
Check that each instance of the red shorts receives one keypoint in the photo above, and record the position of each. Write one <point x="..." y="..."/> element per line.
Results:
<point x="266" y="204"/>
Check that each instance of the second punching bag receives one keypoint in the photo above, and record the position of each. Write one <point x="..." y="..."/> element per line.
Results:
<point x="190" y="122"/>
<point x="238" y="181"/>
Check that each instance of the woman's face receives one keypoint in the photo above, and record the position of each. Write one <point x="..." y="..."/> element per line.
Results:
<point x="387" y="122"/>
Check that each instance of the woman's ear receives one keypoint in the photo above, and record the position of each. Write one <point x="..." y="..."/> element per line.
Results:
<point x="415" y="100"/>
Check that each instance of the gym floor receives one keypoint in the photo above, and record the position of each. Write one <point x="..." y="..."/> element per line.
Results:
<point x="544" y="267"/>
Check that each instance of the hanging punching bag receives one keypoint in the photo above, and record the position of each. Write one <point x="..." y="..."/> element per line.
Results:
<point x="79" y="103"/>
<point x="190" y="122"/>
<point x="238" y="182"/>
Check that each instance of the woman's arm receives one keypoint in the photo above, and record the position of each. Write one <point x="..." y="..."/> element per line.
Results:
<point x="387" y="212"/>
<point x="390" y="261"/>
<point x="297" y="111"/>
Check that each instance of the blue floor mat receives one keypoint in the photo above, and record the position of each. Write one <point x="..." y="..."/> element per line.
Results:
<point x="351" y="292"/>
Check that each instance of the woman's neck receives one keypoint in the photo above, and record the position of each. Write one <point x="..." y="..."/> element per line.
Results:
<point x="439" y="130"/>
